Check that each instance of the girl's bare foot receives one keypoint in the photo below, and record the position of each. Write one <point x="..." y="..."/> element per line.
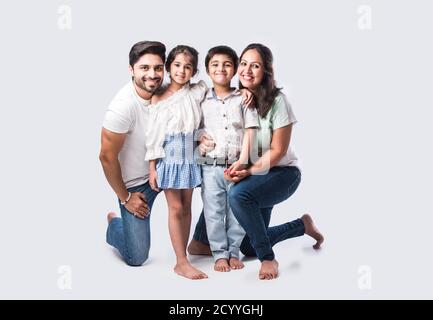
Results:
<point x="312" y="230"/>
<point x="268" y="270"/>
<point x="110" y="216"/>
<point x="235" y="263"/>
<point x="222" y="265"/>
<point x="199" y="248"/>
<point x="185" y="269"/>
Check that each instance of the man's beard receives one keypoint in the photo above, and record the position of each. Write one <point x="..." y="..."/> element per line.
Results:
<point x="141" y="83"/>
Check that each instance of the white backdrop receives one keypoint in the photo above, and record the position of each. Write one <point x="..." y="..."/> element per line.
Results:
<point x="359" y="77"/>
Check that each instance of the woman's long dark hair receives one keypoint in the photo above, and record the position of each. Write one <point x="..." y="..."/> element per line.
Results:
<point x="267" y="91"/>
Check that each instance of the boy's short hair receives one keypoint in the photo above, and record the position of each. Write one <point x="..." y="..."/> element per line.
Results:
<point x="143" y="47"/>
<point x="222" y="50"/>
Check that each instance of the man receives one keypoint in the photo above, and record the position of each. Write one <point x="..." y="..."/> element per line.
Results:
<point x="123" y="150"/>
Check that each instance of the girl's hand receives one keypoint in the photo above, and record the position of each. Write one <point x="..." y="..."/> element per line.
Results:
<point x="248" y="97"/>
<point x="153" y="178"/>
<point x="206" y="145"/>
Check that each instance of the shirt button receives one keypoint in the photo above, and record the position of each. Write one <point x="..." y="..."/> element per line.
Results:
<point x="224" y="115"/>
<point x="226" y="128"/>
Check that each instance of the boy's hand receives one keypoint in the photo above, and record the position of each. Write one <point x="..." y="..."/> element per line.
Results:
<point x="227" y="175"/>
<point x="248" y="97"/>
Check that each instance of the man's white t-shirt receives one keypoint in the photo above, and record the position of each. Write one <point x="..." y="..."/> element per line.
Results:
<point x="128" y="113"/>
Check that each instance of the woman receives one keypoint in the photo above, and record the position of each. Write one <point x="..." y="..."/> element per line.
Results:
<point x="274" y="175"/>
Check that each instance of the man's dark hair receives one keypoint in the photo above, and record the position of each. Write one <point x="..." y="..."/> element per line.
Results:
<point x="144" y="47"/>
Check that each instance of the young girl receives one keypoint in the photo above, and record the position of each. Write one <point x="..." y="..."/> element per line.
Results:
<point x="175" y="115"/>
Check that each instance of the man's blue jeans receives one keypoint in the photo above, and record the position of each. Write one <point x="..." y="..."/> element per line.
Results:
<point x="131" y="235"/>
<point x="252" y="201"/>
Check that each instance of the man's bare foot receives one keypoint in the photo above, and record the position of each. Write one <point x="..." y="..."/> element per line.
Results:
<point x="235" y="263"/>
<point x="110" y="216"/>
<point x="199" y="248"/>
<point x="268" y="270"/>
<point x="312" y="230"/>
<point x="222" y="265"/>
<point x="185" y="269"/>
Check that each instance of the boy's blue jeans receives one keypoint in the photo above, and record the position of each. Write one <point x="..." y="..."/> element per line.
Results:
<point x="252" y="200"/>
<point x="225" y="235"/>
<point x="131" y="235"/>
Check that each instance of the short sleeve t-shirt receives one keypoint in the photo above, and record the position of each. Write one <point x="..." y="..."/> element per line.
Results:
<point x="128" y="114"/>
<point x="280" y="115"/>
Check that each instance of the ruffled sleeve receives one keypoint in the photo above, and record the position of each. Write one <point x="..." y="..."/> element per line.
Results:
<point x="155" y="133"/>
<point x="199" y="90"/>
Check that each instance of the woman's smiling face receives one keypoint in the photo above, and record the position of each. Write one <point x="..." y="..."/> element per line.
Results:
<point x="251" y="69"/>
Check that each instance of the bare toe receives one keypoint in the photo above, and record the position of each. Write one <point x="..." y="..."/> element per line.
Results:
<point x="222" y="265"/>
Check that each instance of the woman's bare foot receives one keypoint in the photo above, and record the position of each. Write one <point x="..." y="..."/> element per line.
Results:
<point x="222" y="265"/>
<point x="199" y="248"/>
<point x="235" y="263"/>
<point x="312" y="230"/>
<point x="110" y="216"/>
<point x="185" y="269"/>
<point x="268" y="270"/>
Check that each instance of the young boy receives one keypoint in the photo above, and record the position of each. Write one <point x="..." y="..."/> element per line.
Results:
<point x="230" y="124"/>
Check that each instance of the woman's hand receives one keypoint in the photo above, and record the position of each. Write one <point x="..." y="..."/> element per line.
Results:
<point x="153" y="178"/>
<point x="236" y="166"/>
<point x="235" y="176"/>
<point x="248" y="97"/>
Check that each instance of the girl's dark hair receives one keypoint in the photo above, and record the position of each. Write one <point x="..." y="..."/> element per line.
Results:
<point x="267" y="91"/>
<point x="190" y="51"/>
<point x="222" y="50"/>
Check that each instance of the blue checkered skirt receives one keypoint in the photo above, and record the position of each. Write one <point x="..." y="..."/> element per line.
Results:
<point x="178" y="169"/>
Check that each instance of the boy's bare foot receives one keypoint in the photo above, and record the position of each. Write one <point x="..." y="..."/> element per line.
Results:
<point x="235" y="263"/>
<point x="110" y="216"/>
<point x="222" y="265"/>
<point x="312" y="230"/>
<point x="185" y="269"/>
<point x="199" y="248"/>
<point x="268" y="270"/>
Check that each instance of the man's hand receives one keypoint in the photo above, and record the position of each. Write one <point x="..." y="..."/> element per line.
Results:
<point x="206" y="144"/>
<point x="137" y="205"/>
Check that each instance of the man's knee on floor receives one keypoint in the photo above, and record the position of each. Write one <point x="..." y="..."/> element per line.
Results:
<point x="137" y="259"/>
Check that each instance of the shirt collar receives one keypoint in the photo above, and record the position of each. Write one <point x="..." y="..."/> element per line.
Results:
<point x="211" y="94"/>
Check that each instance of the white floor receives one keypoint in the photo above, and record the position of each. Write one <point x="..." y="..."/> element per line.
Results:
<point x="74" y="262"/>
